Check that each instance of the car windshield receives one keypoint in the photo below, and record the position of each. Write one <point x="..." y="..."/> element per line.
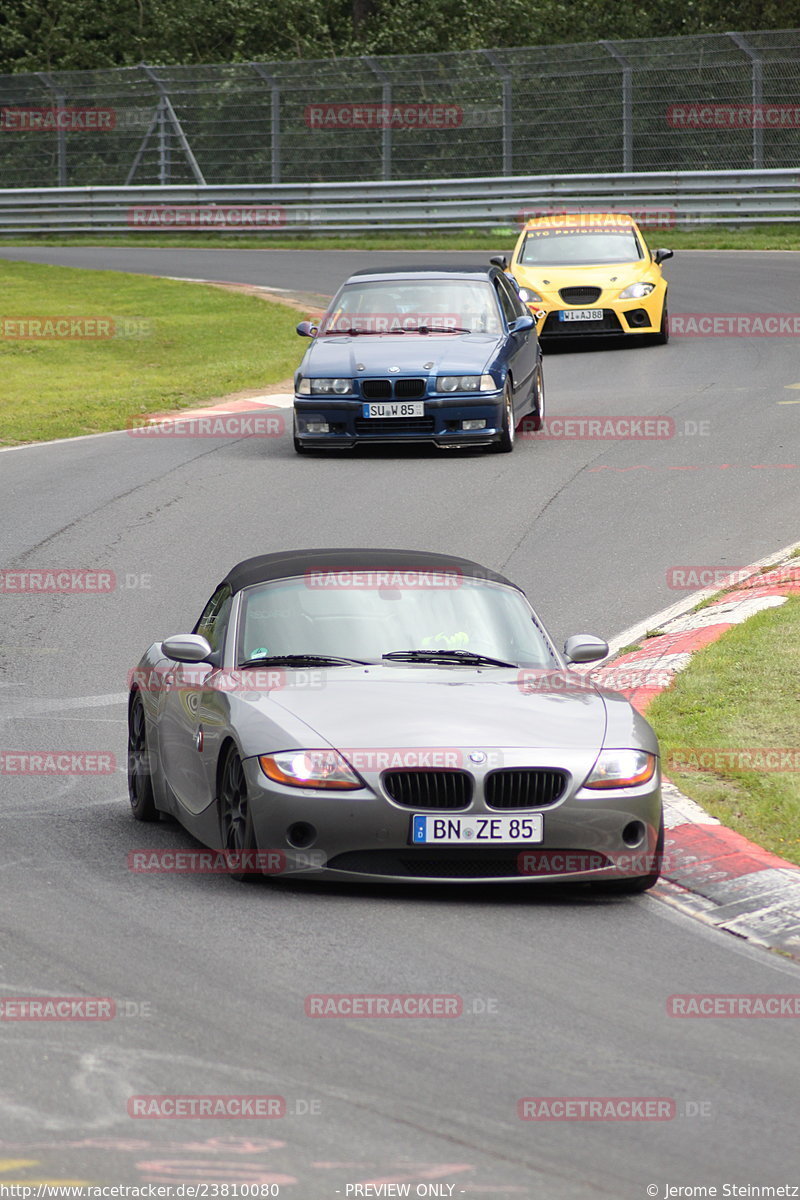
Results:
<point x="408" y="305"/>
<point x="366" y="614"/>
<point x="573" y="247"/>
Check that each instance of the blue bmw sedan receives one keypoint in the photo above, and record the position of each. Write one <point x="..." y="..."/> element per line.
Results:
<point x="432" y="354"/>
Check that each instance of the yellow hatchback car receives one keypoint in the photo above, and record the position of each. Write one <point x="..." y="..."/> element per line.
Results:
<point x="591" y="275"/>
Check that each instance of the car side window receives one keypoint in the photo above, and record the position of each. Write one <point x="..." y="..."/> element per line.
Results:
<point x="518" y="306"/>
<point x="505" y="302"/>
<point x="214" y="621"/>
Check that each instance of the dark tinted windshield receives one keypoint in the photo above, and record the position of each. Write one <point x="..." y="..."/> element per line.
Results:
<point x="571" y="247"/>
<point x="366" y="614"/>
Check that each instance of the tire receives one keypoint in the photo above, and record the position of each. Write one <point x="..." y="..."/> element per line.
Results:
<point x="235" y="819"/>
<point x="662" y="337"/>
<point x="638" y="883"/>
<point x="508" y="433"/>
<point x="535" y="421"/>
<point x="140" y="782"/>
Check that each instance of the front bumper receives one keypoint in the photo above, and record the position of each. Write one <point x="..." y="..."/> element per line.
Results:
<point x="365" y="836"/>
<point x="440" y="425"/>
<point x="621" y="318"/>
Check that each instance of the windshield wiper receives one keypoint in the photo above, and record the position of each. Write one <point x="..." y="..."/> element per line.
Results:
<point x="301" y="660"/>
<point x="424" y="329"/>
<point x="365" y="332"/>
<point x="442" y="329"/>
<point x="467" y="657"/>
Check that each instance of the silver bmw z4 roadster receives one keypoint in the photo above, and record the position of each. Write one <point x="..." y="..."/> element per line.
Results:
<point x="392" y="715"/>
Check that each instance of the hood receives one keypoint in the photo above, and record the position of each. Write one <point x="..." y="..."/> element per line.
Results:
<point x="605" y="275"/>
<point x="421" y="707"/>
<point x="414" y="353"/>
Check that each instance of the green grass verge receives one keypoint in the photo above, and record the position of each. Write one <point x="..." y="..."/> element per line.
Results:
<point x="176" y="345"/>
<point x="741" y="693"/>
<point x="754" y="237"/>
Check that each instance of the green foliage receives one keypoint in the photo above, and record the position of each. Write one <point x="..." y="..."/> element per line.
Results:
<point x="83" y="35"/>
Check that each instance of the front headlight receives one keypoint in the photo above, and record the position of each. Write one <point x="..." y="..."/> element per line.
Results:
<point x="466" y="383"/>
<point x="621" y="768"/>
<point x="635" y="291"/>
<point x="324" y="387"/>
<point x="310" y="769"/>
<point x="529" y="296"/>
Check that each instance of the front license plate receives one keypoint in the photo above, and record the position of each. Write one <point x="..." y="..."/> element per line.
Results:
<point x="396" y="408"/>
<point x="475" y="831"/>
<point x="582" y="314"/>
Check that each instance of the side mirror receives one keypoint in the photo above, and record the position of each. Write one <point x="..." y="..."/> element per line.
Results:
<point x="186" y="648"/>
<point x="585" y="648"/>
<point x="307" y="329"/>
<point x="521" y="324"/>
<point x="502" y="263"/>
<point x="660" y="255"/>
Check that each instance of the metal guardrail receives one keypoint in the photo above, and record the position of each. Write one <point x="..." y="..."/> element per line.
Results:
<point x="657" y="200"/>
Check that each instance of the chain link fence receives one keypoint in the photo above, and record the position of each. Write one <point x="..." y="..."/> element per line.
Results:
<point x="716" y="102"/>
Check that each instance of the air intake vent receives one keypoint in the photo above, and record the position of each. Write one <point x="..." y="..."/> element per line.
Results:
<point x="529" y="787"/>
<point x="376" y="389"/>
<point x="580" y="295"/>
<point x="409" y="389"/>
<point x="429" y="789"/>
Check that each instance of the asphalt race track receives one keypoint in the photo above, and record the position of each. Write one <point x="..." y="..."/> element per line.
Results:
<point x="562" y="997"/>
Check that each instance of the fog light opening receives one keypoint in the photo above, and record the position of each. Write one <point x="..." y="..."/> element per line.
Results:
<point x="301" y="835"/>
<point x="634" y="833"/>
<point x="316" y="427"/>
<point x="474" y="424"/>
<point x="638" y="317"/>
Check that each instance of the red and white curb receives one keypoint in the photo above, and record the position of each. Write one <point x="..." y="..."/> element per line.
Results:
<point x="711" y="871"/>
<point x="227" y="408"/>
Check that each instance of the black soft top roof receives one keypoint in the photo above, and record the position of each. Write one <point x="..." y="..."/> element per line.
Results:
<point x="289" y="563"/>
